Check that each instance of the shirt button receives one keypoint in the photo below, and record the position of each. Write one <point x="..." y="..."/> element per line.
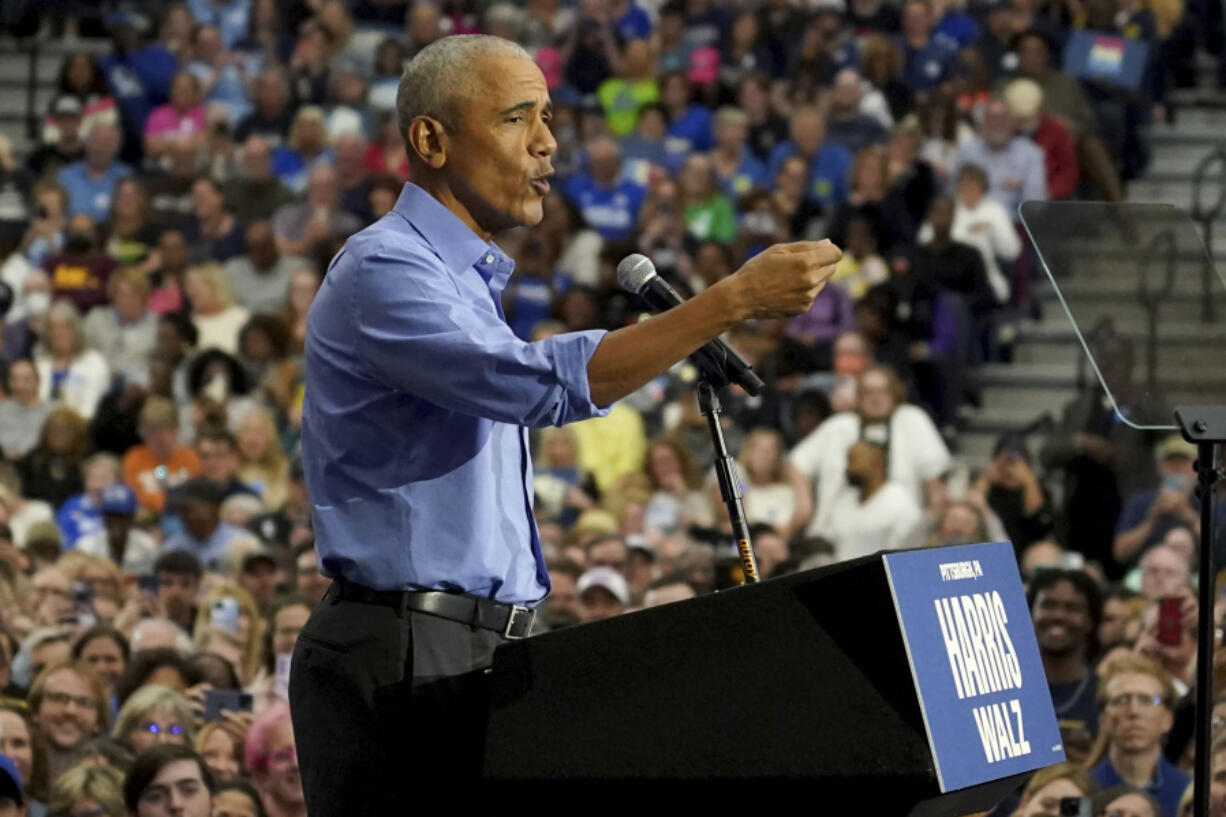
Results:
<point x="489" y="259"/>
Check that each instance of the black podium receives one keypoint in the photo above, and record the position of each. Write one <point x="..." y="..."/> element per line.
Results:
<point x="801" y="681"/>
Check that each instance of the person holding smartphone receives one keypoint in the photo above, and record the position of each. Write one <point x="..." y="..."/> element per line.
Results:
<point x="1149" y="514"/>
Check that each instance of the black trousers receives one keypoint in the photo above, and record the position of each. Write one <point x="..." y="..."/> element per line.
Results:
<point x="383" y="699"/>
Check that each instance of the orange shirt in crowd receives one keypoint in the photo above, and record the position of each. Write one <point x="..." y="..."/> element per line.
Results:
<point x="140" y="472"/>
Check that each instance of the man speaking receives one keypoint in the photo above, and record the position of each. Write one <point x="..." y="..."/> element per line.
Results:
<point x="414" y="431"/>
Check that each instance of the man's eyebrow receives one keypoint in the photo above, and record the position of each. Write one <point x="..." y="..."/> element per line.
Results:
<point x="526" y="105"/>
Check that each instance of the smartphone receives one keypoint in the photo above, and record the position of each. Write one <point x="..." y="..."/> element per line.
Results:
<point x="234" y="700"/>
<point x="1075" y="807"/>
<point x="224" y="614"/>
<point x="1170" y="621"/>
<point x="83" y="614"/>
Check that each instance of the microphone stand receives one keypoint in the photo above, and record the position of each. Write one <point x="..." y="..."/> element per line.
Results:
<point x="729" y="480"/>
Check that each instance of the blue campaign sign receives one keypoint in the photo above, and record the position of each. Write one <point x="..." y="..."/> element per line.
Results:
<point x="975" y="661"/>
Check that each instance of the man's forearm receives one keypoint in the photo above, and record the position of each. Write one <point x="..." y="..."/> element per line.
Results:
<point x="629" y="357"/>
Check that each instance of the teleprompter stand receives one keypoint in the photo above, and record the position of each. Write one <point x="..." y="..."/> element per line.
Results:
<point x="1138" y="276"/>
<point x="1206" y="427"/>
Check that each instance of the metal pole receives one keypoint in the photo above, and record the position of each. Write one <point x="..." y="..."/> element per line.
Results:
<point x="1207" y="465"/>
<point x="729" y="481"/>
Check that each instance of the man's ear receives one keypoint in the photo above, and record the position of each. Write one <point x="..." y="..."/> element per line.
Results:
<point x="426" y="138"/>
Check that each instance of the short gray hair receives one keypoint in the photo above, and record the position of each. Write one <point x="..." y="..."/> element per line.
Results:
<point x="441" y="76"/>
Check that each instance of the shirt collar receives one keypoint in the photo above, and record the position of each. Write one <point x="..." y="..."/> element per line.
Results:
<point x="451" y="239"/>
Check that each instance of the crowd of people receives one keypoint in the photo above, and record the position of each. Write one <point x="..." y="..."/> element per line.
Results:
<point x="161" y="246"/>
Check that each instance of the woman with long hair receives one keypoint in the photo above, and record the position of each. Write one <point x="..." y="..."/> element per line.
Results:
<point x="303" y="285"/>
<point x="131" y="235"/>
<point x="262" y="464"/>
<point x="52" y="472"/>
<point x="777" y="493"/>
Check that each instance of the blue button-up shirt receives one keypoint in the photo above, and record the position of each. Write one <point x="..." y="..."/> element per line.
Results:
<point x="414" y="443"/>
<point x="211" y="551"/>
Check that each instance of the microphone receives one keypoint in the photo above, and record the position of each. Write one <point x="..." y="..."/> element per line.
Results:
<point x="719" y="362"/>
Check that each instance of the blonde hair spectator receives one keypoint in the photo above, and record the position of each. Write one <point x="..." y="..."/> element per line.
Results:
<point x="155" y="714"/>
<point x="100" y="785"/>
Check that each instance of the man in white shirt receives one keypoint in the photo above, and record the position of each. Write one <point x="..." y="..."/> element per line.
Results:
<point x="917" y="454"/>
<point x="871" y="513"/>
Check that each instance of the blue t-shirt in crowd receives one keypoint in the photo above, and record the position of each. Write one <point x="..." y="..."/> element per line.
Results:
<point x="139" y="80"/>
<point x="927" y="67"/>
<point x="695" y="128"/>
<point x="528" y="302"/>
<point x="827" y="172"/>
<point x="78" y="516"/>
<point x="749" y="174"/>
<point x="1166" y="787"/>
<point x="611" y="211"/>
<point x="635" y="24"/>
<point x="87" y="194"/>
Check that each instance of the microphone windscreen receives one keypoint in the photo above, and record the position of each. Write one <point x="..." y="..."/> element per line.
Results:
<point x="634" y="272"/>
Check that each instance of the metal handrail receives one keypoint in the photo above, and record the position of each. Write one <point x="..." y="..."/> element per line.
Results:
<point x="1205" y="216"/>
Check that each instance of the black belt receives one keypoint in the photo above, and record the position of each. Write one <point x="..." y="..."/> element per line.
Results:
<point x="513" y="621"/>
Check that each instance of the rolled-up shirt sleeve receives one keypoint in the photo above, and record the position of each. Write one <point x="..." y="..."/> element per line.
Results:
<point x="420" y="334"/>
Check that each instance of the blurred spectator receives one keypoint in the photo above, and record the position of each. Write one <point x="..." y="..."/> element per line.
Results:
<point x="666" y="590"/>
<point x="767" y="129"/>
<point x="80" y="514"/>
<point x="603" y="593"/>
<point x="212" y="232"/>
<point x="96" y="790"/>
<point x="307" y="144"/>
<point x="70" y="707"/>
<point x="791" y="199"/>
<point x="178" y="576"/>
<point x="776" y="493"/>
<point x="847" y="124"/>
<point x="1129" y="800"/>
<point x="882" y="207"/>
<point x="981" y="222"/>
<point x="736" y="168"/>
<point x="677" y="500"/>
<point x="608" y="202"/>
<point x="917" y="455"/>
<point x="204" y="534"/>
<point x="221" y="74"/>
<point x="881" y="67"/>
<point x="926" y="58"/>
<point x="300" y="227"/>
<point x="216" y="317"/>
<point x="829" y="164"/>
<point x="624" y="95"/>
<point x="45" y="235"/>
<point x="273" y="762"/>
<point x="222" y="753"/>
<point x="90" y="181"/>
<point x="312" y="582"/>
<point x="1044" y="791"/>
<point x="1164" y="572"/>
<point x="12" y="801"/>
<point x="22" y="415"/>
<point x="51" y="472"/>
<point x="120" y="540"/>
<point x="260" y="278"/>
<point x="1136" y="699"/>
<point x="263" y="466"/>
<point x="181" y="120"/>
<point x="386" y="154"/>
<point x="1066" y="606"/>
<point x="168" y="779"/>
<point x="709" y="215"/>
<point x="80" y="272"/>
<point x="1150" y="513"/>
<point x="1013" y="163"/>
<point x="271" y="116"/>
<point x="869" y="513"/>
<point x="219" y="459"/>
<point x="257" y="193"/>
<point x="1025" y="100"/>
<point x="303" y="284"/>
<point x="1015" y="494"/>
<point x="67" y="146"/>
<point x="1122" y="610"/>
<point x="161" y="462"/>
<point x="237" y="798"/>
<point x="125" y="330"/>
<point x="131" y="235"/>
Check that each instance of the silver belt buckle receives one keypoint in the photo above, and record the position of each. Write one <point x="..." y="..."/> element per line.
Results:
<point x="518" y="609"/>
